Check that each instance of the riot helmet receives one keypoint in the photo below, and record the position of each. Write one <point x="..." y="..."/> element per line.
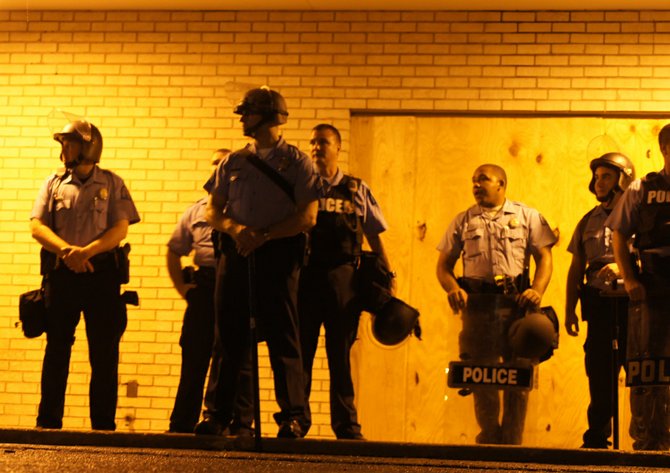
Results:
<point x="88" y="135"/>
<point x="533" y="335"/>
<point x="394" y="322"/>
<point x="620" y="163"/>
<point x="267" y="103"/>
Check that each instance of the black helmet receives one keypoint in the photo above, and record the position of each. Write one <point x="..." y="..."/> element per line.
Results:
<point x="533" y="335"/>
<point x="394" y="322"/>
<point x="618" y="162"/>
<point x="266" y="102"/>
<point x="89" y="136"/>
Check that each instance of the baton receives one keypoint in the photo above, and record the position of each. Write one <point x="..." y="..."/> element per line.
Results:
<point x="251" y="270"/>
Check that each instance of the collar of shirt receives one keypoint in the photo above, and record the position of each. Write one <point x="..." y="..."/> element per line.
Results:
<point x="96" y="176"/>
<point x="507" y="208"/>
<point x="278" y="150"/>
<point x="333" y="181"/>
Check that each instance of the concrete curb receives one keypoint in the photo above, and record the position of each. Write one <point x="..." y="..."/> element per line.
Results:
<point x="512" y="454"/>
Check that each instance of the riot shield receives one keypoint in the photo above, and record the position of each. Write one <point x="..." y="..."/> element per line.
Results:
<point x="648" y="373"/>
<point x="488" y="365"/>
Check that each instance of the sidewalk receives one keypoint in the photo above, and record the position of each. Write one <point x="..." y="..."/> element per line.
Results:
<point x="550" y="456"/>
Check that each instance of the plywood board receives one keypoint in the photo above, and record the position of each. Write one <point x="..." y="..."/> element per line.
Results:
<point x="420" y="168"/>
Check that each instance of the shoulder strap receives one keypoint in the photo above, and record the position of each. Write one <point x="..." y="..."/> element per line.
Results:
<point x="271" y="174"/>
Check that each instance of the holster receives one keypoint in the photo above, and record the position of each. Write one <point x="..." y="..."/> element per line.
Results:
<point x="122" y="262"/>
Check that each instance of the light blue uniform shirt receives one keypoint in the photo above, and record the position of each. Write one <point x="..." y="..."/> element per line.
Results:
<point x="193" y="233"/>
<point x="252" y="198"/>
<point x="79" y="212"/>
<point x="497" y="245"/>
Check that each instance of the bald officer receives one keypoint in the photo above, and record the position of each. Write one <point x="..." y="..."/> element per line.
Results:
<point x="80" y="217"/>
<point x="494" y="237"/>
<point x="327" y="296"/>
<point x="264" y="196"/>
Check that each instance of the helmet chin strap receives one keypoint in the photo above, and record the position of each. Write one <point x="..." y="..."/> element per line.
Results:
<point x="253" y="131"/>
<point x="608" y="198"/>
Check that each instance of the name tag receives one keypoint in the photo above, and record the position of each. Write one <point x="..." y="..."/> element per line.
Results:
<point x="509" y="375"/>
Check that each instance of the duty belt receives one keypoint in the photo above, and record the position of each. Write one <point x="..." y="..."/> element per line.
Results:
<point x="479" y="286"/>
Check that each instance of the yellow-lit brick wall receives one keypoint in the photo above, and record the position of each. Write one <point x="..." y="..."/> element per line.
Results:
<point x="158" y="86"/>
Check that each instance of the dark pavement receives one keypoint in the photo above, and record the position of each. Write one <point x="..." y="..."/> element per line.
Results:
<point x="55" y="451"/>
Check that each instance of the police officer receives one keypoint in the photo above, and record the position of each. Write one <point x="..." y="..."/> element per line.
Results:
<point x="644" y="211"/>
<point x="80" y="217"/>
<point x="347" y="212"/>
<point x="264" y="196"/>
<point x="494" y="237"/>
<point x="591" y="275"/>
<point x="193" y="235"/>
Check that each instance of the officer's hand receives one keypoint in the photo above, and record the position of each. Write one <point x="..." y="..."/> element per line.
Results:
<point x="77" y="260"/>
<point x="635" y="289"/>
<point x="458" y="298"/>
<point x="572" y="324"/>
<point x="182" y="289"/>
<point x="529" y="298"/>
<point x="609" y="272"/>
<point x="394" y="286"/>
<point x="248" y="240"/>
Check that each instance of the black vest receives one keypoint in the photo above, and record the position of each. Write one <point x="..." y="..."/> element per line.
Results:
<point x="337" y="236"/>
<point x="654" y="229"/>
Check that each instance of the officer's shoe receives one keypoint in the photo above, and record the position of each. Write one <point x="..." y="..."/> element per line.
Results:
<point x="596" y="444"/>
<point x="209" y="426"/>
<point x="235" y="429"/>
<point x="290" y="429"/>
<point x="350" y="436"/>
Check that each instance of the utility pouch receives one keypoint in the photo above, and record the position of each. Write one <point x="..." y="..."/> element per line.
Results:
<point x="33" y="312"/>
<point x="123" y="263"/>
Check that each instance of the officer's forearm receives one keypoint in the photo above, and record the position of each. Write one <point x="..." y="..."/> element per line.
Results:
<point x="174" y="268"/>
<point x="377" y="246"/>
<point x="109" y="240"/>
<point x="214" y="215"/>
<point x="622" y="256"/>
<point x="575" y="276"/>
<point x="301" y="221"/>
<point x="445" y="273"/>
<point x="46" y="237"/>
<point x="543" y="269"/>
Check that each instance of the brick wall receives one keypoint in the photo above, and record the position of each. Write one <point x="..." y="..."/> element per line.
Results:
<point x="157" y="85"/>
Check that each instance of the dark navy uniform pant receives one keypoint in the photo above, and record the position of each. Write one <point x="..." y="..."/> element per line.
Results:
<point x="275" y="287"/>
<point x="327" y="297"/>
<point x="97" y="295"/>
<point x="599" y="313"/>
<point x="197" y="338"/>
<point x="243" y="414"/>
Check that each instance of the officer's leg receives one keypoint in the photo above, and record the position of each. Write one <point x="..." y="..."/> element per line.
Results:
<point x="478" y="342"/>
<point x="515" y="404"/>
<point x="277" y="272"/>
<point x="106" y="319"/>
<point x="657" y="420"/>
<point x="311" y="304"/>
<point x="232" y="310"/>
<point x="196" y="349"/>
<point x="63" y="317"/>
<point x="341" y="323"/>
<point x="598" y="364"/>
